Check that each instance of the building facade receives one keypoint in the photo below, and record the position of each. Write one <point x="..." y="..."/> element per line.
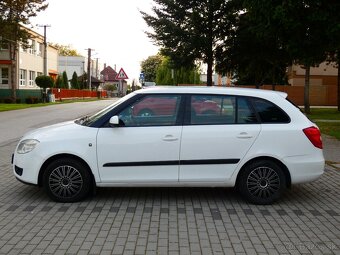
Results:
<point x="30" y="63"/>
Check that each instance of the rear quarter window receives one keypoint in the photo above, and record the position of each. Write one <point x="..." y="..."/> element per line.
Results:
<point x="269" y="112"/>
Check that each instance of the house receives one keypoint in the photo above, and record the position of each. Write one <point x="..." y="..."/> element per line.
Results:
<point x="108" y="76"/>
<point x="324" y="74"/>
<point x="30" y="63"/>
<point x="78" y="64"/>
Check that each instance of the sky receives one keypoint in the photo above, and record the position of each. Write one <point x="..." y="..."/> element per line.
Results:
<point x="114" y="29"/>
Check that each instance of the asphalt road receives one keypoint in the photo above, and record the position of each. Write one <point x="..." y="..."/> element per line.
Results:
<point x="14" y="124"/>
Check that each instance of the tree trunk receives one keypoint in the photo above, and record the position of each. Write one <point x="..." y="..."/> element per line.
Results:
<point x="306" y="95"/>
<point x="209" y="74"/>
<point x="13" y="56"/>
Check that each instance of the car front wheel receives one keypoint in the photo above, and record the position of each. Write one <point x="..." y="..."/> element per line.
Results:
<point x="67" y="180"/>
<point x="262" y="182"/>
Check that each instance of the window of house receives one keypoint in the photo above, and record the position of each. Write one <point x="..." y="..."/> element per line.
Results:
<point x="153" y="110"/>
<point x="32" y="47"/>
<point x="22" y="77"/>
<point x="4" y="45"/>
<point x="4" y="75"/>
<point x="31" y="80"/>
<point x="39" y="48"/>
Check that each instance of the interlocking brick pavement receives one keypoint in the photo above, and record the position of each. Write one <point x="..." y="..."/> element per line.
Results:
<point x="168" y="220"/>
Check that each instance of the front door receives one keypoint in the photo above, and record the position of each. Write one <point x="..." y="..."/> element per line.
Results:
<point x="144" y="148"/>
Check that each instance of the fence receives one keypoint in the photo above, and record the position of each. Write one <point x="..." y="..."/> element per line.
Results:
<point x="22" y="94"/>
<point x="323" y="95"/>
<point x="74" y="93"/>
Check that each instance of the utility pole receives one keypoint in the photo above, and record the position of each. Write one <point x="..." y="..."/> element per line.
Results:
<point x="97" y="67"/>
<point x="89" y="67"/>
<point x="45" y="47"/>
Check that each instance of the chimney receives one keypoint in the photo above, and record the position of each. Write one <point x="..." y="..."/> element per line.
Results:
<point x="104" y="65"/>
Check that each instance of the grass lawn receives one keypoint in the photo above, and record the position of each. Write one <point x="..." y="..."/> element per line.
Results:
<point x="329" y="114"/>
<point x="10" y="107"/>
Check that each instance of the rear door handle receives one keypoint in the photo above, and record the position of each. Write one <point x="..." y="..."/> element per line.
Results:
<point x="244" y="135"/>
<point x="169" y="138"/>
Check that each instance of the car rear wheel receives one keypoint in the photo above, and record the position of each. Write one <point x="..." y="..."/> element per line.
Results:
<point x="262" y="182"/>
<point x="67" y="180"/>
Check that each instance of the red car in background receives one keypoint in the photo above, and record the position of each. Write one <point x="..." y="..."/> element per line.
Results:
<point x="166" y="106"/>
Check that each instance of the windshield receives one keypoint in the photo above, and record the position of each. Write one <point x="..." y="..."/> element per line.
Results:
<point x="88" y="120"/>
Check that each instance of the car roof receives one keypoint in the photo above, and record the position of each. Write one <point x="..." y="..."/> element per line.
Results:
<point x="211" y="90"/>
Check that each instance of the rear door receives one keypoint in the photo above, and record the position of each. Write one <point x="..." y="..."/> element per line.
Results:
<point x="214" y="140"/>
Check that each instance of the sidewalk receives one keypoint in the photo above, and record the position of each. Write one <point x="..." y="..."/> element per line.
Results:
<point x="331" y="150"/>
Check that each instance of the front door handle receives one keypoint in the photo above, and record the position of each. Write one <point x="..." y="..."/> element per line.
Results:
<point x="244" y="135"/>
<point x="169" y="138"/>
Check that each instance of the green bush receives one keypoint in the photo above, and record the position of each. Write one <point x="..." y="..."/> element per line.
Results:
<point x="8" y="100"/>
<point x="32" y="100"/>
<point x="18" y="101"/>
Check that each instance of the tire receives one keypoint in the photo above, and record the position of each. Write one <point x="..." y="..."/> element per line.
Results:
<point x="67" y="180"/>
<point x="262" y="182"/>
<point x="145" y="113"/>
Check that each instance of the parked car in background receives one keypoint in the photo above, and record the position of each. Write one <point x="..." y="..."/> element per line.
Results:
<point x="254" y="140"/>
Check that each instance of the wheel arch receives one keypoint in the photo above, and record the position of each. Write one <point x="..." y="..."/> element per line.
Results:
<point x="282" y="165"/>
<point x="60" y="156"/>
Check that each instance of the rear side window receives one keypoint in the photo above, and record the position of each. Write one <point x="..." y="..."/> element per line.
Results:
<point x="220" y="109"/>
<point x="269" y="112"/>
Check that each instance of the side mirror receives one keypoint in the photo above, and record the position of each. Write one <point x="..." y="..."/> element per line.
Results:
<point x="114" y="121"/>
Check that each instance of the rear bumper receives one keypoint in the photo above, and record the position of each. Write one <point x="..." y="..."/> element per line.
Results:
<point x="305" y="168"/>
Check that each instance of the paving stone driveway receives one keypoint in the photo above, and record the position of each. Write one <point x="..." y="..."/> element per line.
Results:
<point x="168" y="220"/>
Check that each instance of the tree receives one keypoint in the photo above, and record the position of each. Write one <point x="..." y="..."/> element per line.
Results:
<point x="299" y="25"/>
<point x="252" y="58"/>
<point x="189" y="30"/>
<point x="74" y="81"/>
<point x="14" y="14"/>
<point x="66" y="50"/>
<point x="65" y="80"/>
<point x="332" y="9"/>
<point x="166" y="75"/>
<point x="59" y="82"/>
<point x="149" y="67"/>
<point x="44" y="82"/>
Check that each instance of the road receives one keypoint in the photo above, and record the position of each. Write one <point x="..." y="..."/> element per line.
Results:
<point x="14" y="124"/>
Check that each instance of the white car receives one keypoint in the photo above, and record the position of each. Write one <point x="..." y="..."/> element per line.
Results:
<point x="252" y="139"/>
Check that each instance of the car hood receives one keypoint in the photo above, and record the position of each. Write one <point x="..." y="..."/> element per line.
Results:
<point x="60" y="129"/>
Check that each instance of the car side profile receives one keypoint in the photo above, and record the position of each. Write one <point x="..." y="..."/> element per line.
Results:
<point x="254" y="140"/>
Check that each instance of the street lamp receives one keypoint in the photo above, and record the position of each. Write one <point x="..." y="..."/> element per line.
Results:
<point x="45" y="47"/>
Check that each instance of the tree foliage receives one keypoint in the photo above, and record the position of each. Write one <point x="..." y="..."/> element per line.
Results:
<point x="59" y="82"/>
<point x="149" y="67"/>
<point x="14" y="14"/>
<point x="74" y="81"/>
<point x="44" y="81"/>
<point x="65" y="80"/>
<point x="66" y="50"/>
<point x="166" y="75"/>
<point x="188" y="30"/>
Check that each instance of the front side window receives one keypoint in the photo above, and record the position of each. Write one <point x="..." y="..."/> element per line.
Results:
<point x="23" y="77"/>
<point x="4" y="75"/>
<point x="220" y="109"/>
<point x="269" y="112"/>
<point x="152" y="110"/>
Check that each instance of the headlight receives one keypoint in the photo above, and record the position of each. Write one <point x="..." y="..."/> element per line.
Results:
<point x="27" y="145"/>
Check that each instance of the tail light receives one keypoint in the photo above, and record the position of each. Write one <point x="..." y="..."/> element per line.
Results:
<point x="314" y="135"/>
